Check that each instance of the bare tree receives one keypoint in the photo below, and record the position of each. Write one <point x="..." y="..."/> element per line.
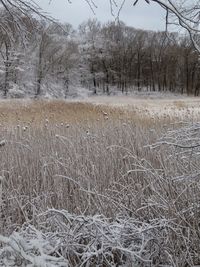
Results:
<point x="20" y="13"/>
<point x="183" y="13"/>
<point x="24" y="7"/>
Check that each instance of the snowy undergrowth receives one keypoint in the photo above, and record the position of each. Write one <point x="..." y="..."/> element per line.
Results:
<point x="70" y="240"/>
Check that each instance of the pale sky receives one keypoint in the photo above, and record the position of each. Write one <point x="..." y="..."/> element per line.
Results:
<point x="144" y="16"/>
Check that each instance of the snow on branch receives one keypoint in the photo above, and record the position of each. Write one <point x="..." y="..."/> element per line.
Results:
<point x="77" y="240"/>
<point x="18" y="17"/>
<point x="182" y="13"/>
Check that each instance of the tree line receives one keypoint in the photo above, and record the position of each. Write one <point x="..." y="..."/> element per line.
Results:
<point x="49" y="58"/>
<point x="132" y="59"/>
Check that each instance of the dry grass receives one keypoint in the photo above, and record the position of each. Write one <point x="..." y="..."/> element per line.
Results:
<point x="180" y="104"/>
<point x="96" y="160"/>
<point x="36" y="112"/>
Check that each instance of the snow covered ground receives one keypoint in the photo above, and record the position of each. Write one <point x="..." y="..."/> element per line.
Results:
<point x="155" y="104"/>
<point x="64" y="238"/>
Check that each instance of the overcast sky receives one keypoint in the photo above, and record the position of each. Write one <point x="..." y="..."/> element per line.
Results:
<point x="143" y="16"/>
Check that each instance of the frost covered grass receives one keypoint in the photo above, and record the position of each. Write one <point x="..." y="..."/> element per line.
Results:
<point x="85" y="185"/>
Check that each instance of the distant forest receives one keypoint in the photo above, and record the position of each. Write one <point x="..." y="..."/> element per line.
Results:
<point x="49" y="59"/>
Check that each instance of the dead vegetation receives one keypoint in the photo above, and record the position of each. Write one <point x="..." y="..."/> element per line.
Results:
<point x="99" y="186"/>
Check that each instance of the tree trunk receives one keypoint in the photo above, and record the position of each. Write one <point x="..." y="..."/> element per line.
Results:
<point x="7" y="66"/>
<point x="40" y="74"/>
<point x="138" y="72"/>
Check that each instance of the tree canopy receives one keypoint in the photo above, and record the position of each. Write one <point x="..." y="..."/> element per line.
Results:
<point x="184" y="13"/>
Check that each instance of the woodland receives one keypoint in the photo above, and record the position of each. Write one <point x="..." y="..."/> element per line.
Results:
<point x="86" y="184"/>
<point x="49" y="59"/>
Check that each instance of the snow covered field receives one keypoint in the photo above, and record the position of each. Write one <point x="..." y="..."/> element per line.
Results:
<point x="156" y="103"/>
<point x="100" y="181"/>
